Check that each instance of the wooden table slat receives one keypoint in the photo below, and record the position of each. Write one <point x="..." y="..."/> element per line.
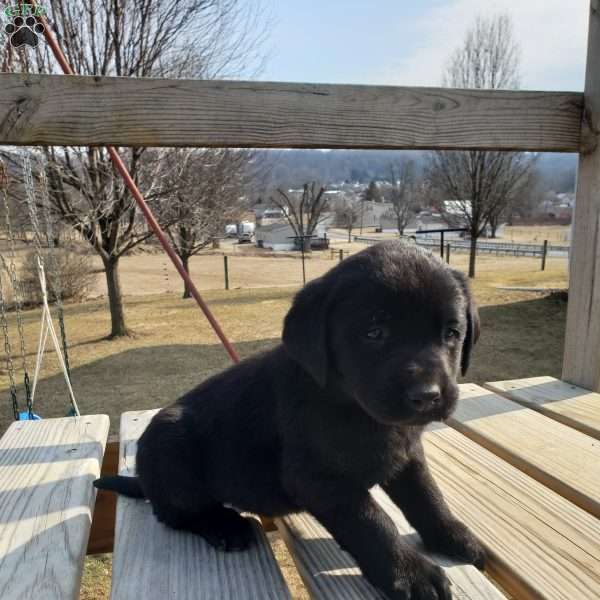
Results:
<point x="151" y="561"/>
<point x="330" y="573"/>
<point x="540" y="545"/>
<point x="570" y="404"/>
<point x="46" y="502"/>
<point x="563" y="459"/>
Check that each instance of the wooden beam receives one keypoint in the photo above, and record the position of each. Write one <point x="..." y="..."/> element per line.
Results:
<point x="581" y="362"/>
<point x="102" y="533"/>
<point x="74" y="110"/>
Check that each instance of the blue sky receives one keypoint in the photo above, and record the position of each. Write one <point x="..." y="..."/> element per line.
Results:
<point x="404" y="42"/>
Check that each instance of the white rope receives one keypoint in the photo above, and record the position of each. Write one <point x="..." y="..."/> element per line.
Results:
<point x="40" y="353"/>
<point x="48" y="327"/>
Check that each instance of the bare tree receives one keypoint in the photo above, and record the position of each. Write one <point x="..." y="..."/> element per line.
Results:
<point x="203" y="191"/>
<point x="480" y="184"/>
<point x="348" y="210"/>
<point x="402" y="193"/>
<point x="136" y="38"/>
<point x="303" y="213"/>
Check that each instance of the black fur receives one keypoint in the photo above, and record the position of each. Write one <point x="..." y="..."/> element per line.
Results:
<point x="370" y="355"/>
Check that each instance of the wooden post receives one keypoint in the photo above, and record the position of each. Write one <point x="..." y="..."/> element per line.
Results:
<point x="442" y="245"/>
<point x="448" y="252"/>
<point x="581" y="361"/>
<point x="341" y="255"/>
<point x="544" y="253"/>
<point x="226" y="266"/>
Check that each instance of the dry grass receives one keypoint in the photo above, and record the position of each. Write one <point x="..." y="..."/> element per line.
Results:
<point x="149" y="274"/>
<point x="173" y="347"/>
<point x="536" y="234"/>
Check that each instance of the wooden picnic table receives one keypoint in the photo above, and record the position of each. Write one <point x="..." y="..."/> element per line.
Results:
<point x="522" y="469"/>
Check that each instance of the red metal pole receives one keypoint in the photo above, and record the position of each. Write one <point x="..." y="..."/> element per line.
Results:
<point x="149" y="216"/>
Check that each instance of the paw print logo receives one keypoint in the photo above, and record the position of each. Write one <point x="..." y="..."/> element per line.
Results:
<point x="24" y="31"/>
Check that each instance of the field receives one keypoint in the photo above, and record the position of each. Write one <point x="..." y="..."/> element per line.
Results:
<point x="173" y="348"/>
<point x="149" y="274"/>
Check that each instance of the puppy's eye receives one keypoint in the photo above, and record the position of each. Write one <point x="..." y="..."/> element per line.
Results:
<point x="451" y="334"/>
<point x="375" y="333"/>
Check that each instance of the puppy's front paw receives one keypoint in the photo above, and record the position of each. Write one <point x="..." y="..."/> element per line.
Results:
<point x="456" y="541"/>
<point x="420" y="579"/>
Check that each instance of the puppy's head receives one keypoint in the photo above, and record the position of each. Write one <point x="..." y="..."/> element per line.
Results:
<point x="391" y="327"/>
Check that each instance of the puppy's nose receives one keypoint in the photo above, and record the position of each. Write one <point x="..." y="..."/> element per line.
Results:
<point x="425" y="397"/>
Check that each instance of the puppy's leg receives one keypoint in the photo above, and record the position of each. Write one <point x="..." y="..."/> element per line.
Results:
<point x="418" y="496"/>
<point x="223" y="528"/>
<point x="362" y="528"/>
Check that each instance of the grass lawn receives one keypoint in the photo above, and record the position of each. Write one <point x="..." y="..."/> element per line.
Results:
<point x="173" y="348"/>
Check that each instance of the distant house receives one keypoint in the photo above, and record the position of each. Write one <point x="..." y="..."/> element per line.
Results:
<point x="267" y="211"/>
<point x="275" y="236"/>
<point x="427" y="220"/>
<point x="372" y="212"/>
<point x="557" y="206"/>
<point x="280" y="236"/>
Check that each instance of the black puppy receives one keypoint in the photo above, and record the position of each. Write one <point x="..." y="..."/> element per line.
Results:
<point x="370" y="355"/>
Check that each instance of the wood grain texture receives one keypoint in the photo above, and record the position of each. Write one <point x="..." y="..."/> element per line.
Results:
<point x="539" y="544"/>
<point x="581" y="364"/>
<point x="102" y="533"/>
<point x="329" y="573"/>
<point x="564" y="402"/>
<point x="46" y="503"/>
<point x="75" y="110"/>
<point x="151" y="561"/>
<point x="558" y="456"/>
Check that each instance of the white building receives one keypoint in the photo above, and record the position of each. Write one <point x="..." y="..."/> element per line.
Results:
<point x="280" y="236"/>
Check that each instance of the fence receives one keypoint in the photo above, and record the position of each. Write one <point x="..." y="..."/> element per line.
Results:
<point x="499" y="249"/>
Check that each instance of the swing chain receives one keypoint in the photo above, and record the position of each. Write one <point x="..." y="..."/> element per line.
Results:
<point x="10" y="367"/>
<point x="30" y="197"/>
<point x="18" y="292"/>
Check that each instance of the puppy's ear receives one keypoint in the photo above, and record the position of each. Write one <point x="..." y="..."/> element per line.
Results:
<point x="473" y="328"/>
<point x="305" y="329"/>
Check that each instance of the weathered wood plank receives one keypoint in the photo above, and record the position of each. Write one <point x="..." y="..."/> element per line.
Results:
<point x="582" y="336"/>
<point x="539" y="544"/>
<point x="46" y="503"/>
<point x="565" y="402"/>
<point x="151" y="561"/>
<point x="59" y="110"/>
<point x="565" y="460"/>
<point x="329" y="573"/>
<point x="102" y="533"/>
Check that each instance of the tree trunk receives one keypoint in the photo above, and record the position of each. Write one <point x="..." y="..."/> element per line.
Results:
<point x="185" y="261"/>
<point x="472" y="256"/>
<point x="115" y="299"/>
<point x="349" y="234"/>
